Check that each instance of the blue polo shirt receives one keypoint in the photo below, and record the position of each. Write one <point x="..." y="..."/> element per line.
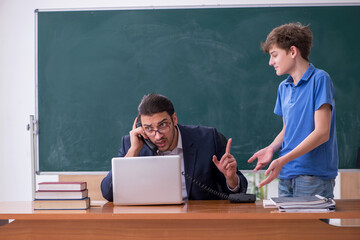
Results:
<point x="297" y="105"/>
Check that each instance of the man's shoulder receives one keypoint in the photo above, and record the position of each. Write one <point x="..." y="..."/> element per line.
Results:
<point x="196" y="131"/>
<point x="196" y="128"/>
<point x="126" y="138"/>
<point x="126" y="144"/>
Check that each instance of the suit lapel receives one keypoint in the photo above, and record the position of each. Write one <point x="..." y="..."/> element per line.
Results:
<point x="189" y="151"/>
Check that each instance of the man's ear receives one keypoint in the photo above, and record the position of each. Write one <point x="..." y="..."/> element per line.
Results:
<point x="174" y="118"/>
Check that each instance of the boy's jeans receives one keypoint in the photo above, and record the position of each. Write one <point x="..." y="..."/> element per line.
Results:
<point x="305" y="185"/>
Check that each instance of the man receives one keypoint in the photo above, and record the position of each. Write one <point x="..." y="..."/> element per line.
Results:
<point x="308" y="159"/>
<point x="205" y="155"/>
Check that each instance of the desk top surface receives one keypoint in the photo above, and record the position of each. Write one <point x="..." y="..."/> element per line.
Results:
<point x="222" y="209"/>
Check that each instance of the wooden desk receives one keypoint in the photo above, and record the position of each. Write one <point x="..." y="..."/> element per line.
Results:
<point x="193" y="220"/>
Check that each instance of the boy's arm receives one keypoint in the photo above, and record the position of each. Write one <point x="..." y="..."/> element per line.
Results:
<point x="322" y="119"/>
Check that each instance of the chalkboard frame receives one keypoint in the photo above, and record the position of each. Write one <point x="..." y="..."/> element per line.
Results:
<point x="38" y="166"/>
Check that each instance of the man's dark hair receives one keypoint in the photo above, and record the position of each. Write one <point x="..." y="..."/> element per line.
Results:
<point x="287" y="35"/>
<point x="155" y="103"/>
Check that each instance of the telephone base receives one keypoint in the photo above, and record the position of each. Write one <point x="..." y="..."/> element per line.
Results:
<point x="242" y="198"/>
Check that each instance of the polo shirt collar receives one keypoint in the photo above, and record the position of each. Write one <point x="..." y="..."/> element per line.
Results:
<point x="305" y="77"/>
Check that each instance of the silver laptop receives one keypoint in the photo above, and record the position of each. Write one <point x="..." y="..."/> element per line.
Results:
<point x="150" y="180"/>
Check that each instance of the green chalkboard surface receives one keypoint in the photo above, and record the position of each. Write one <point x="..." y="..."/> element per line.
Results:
<point x="95" y="66"/>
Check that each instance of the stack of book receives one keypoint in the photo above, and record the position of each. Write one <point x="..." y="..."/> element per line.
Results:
<point x="301" y="204"/>
<point x="62" y="195"/>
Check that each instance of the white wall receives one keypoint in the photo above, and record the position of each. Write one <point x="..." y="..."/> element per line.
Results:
<point x="17" y="76"/>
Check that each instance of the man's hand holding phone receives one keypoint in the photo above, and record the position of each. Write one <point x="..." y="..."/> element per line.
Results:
<point x="136" y="142"/>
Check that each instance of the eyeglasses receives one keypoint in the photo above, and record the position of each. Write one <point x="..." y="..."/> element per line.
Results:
<point x="163" y="128"/>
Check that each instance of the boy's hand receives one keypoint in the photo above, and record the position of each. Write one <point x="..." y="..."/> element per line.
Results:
<point x="263" y="156"/>
<point x="272" y="172"/>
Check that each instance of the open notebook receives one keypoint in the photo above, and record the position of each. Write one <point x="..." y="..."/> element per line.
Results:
<point x="150" y="180"/>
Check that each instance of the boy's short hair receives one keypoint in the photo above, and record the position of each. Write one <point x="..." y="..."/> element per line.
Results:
<point x="287" y="35"/>
<point x="155" y="103"/>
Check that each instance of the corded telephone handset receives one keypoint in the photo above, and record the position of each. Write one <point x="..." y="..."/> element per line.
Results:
<point x="233" y="197"/>
<point x="148" y="142"/>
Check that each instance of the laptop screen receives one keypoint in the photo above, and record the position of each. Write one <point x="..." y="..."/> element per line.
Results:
<point x="149" y="180"/>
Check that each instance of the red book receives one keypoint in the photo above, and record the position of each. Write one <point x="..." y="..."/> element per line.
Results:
<point x="64" y="186"/>
<point x="61" y="194"/>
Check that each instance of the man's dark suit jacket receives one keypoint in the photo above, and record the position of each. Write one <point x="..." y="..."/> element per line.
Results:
<point x="199" y="146"/>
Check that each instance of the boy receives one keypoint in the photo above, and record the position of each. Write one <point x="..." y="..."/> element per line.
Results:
<point x="308" y="159"/>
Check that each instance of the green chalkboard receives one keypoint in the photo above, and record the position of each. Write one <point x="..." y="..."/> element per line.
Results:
<point x="94" y="67"/>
